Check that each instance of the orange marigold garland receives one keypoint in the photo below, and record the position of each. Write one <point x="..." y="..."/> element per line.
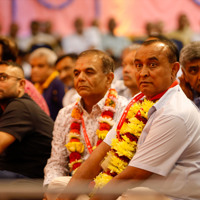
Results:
<point x="75" y="146"/>
<point x="106" y="121"/>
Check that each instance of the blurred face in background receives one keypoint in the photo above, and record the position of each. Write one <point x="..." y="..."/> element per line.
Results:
<point x="191" y="71"/>
<point x="129" y="69"/>
<point x="40" y="69"/>
<point x="65" y="67"/>
<point x="79" y="25"/>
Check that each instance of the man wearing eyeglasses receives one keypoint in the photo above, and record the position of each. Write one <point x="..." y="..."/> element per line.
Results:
<point x="25" y="130"/>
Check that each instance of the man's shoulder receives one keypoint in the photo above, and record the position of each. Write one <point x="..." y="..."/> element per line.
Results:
<point x="175" y="103"/>
<point x="25" y="109"/>
<point x="24" y="104"/>
<point x="21" y="101"/>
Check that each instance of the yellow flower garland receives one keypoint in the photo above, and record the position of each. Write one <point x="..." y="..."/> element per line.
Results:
<point x="123" y="149"/>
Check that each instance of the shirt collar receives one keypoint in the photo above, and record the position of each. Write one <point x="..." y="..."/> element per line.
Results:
<point x="99" y="105"/>
<point x="161" y="102"/>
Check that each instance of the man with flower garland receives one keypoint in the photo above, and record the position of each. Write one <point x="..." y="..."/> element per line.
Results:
<point x="156" y="142"/>
<point x="83" y="125"/>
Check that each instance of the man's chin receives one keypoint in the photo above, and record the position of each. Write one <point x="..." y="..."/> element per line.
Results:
<point x="83" y="93"/>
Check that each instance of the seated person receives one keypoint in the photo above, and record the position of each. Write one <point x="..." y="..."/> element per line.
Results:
<point x="46" y="80"/>
<point x="9" y="52"/>
<point x="65" y="66"/>
<point x="127" y="87"/>
<point x="84" y="124"/>
<point x="156" y="142"/>
<point x="190" y="65"/>
<point x="25" y="129"/>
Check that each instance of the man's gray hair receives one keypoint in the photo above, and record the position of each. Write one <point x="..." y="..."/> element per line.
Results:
<point x="190" y="52"/>
<point x="48" y="53"/>
<point x="108" y="64"/>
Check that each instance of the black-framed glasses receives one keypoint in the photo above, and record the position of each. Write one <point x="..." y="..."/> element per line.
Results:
<point x="5" y="77"/>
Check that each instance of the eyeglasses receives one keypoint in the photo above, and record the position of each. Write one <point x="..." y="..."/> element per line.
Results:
<point x="5" y="77"/>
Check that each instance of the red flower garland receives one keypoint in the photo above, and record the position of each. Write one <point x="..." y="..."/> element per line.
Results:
<point x="105" y="124"/>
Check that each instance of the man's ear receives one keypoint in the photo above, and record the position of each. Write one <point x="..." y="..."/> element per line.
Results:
<point x="22" y="84"/>
<point x="21" y="87"/>
<point x="110" y="77"/>
<point x="175" y="68"/>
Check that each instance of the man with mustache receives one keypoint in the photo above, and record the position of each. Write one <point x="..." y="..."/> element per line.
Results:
<point x="190" y="79"/>
<point x="83" y="124"/>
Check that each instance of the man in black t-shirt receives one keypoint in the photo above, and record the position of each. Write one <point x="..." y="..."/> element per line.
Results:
<point x="25" y="129"/>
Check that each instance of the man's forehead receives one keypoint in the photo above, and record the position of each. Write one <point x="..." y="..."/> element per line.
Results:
<point x="67" y="61"/>
<point x="89" y="60"/>
<point x="150" y="51"/>
<point x="197" y="61"/>
<point x="195" y="64"/>
<point x="90" y="57"/>
<point x="39" y="58"/>
<point x="10" y="69"/>
<point x="84" y="67"/>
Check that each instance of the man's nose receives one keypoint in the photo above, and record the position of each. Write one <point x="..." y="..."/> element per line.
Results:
<point x="61" y="75"/>
<point x="144" y="71"/>
<point x="34" y="69"/>
<point x="81" y="76"/>
<point x="126" y="68"/>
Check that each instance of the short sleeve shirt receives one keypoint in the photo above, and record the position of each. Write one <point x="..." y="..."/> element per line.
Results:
<point x="169" y="146"/>
<point x="32" y="128"/>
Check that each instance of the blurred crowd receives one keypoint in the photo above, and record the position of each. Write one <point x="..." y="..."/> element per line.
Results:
<point x="84" y="38"/>
<point x="88" y="37"/>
